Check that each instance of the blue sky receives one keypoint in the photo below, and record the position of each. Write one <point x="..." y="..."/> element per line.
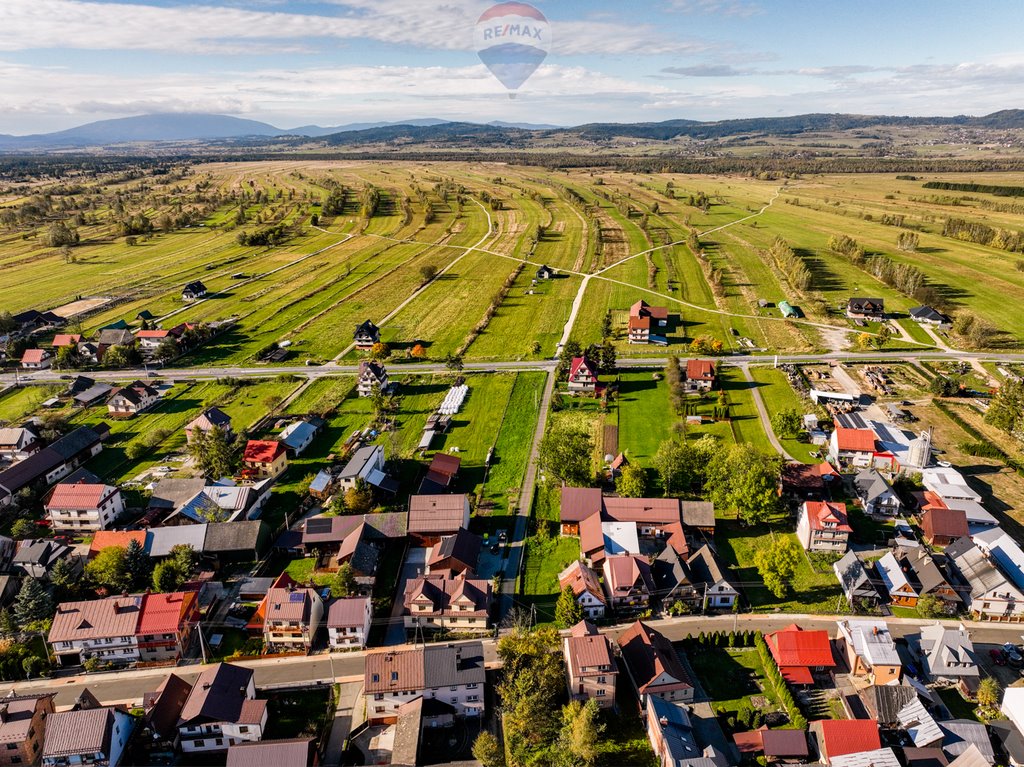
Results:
<point x="65" y="62"/>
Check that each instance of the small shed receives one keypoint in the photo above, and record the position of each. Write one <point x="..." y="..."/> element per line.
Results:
<point x="787" y="309"/>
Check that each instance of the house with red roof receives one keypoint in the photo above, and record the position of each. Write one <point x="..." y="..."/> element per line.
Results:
<point x="165" y="625"/>
<point x="586" y="587"/>
<point x="799" y="653"/>
<point x="823" y="526"/>
<point x="263" y="459"/>
<point x="582" y="376"/>
<point x="105" y="539"/>
<point x="942" y="526"/>
<point x="66" y="339"/>
<point x="628" y="582"/>
<point x="653" y="664"/>
<point x="36" y="359"/>
<point x="851" y="447"/>
<point x="838" y="737"/>
<point x="83" y="507"/>
<point x="150" y="340"/>
<point x="700" y="375"/>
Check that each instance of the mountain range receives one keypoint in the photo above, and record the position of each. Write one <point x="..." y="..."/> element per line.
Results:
<point x="180" y="127"/>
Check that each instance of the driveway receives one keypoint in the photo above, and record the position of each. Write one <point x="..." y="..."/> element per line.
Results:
<point x="415" y="565"/>
<point x="348" y="715"/>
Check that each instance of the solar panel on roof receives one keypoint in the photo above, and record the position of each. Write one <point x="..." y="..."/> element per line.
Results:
<point x="297" y="596"/>
<point x="315" y="526"/>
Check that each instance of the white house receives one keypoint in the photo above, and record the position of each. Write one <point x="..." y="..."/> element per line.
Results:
<point x="132" y="399"/>
<point x="371" y="375"/>
<point x="363" y="463"/>
<point x="348" y="623"/>
<point x="992" y="592"/>
<point x="36" y="359"/>
<point x="451" y="673"/>
<point x="82" y="507"/>
<point x="298" y="435"/>
<point x="876" y="494"/>
<point x="86" y="736"/>
<point x="221" y="710"/>
<point x="585" y="585"/>
<point x="822" y="526"/>
<point x="852" y="447"/>
<point x="96" y="628"/>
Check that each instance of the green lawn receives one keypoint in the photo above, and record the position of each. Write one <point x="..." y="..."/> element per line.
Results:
<point x="809" y="592"/>
<point x="297" y="713"/>
<point x="512" y="446"/>
<point x="778" y="395"/>
<point x="731" y="676"/>
<point x="746" y="424"/>
<point x="644" y="416"/>
<point x="18" y="403"/>
<point x="958" y="707"/>
<point x="542" y="563"/>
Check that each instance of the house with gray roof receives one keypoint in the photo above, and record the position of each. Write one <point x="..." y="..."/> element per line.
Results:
<point x="876" y="494"/>
<point x="854" y="580"/>
<point x="708" y="572"/>
<point x="960" y="734"/>
<point x="948" y="657"/>
<point x="989" y="592"/>
<point x="37" y="557"/>
<point x="221" y="710"/>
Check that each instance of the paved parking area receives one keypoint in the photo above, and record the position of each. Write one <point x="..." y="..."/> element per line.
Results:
<point x="415" y="565"/>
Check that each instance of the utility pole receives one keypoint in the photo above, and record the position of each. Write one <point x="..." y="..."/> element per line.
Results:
<point x="202" y="641"/>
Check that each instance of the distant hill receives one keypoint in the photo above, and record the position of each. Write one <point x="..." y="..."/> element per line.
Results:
<point x="209" y="127"/>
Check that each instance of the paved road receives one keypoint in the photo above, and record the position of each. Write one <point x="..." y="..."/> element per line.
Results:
<point x="348" y="715"/>
<point x="762" y="413"/>
<point x="347" y="668"/>
<point x="332" y="369"/>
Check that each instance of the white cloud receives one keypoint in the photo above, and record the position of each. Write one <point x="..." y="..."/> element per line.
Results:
<point x="734" y="8"/>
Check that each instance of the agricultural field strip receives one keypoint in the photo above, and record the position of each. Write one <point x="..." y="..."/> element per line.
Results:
<point x="488" y="235"/>
<point x="260" y="276"/>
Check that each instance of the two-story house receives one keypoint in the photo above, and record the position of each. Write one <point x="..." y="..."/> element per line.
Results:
<point x="451" y="673"/>
<point x="709" y="575"/>
<point x="166" y="621"/>
<point x="800" y="653"/>
<point x="586" y="587"/>
<point x="948" y="656"/>
<point x="654" y="665"/>
<point x="193" y="291"/>
<point x="823" y="526"/>
<point x="18" y="442"/>
<point x="700" y="375"/>
<point x="628" y="582"/>
<point x="22" y="725"/>
<point x="582" y="376"/>
<point x="371" y="375"/>
<point x="870" y="650"/>
<point x="87" y="736"/>
<point x="434" y="602"/>
<point x="263" y="459"/>
<point x="292" y="615"/>
<point x="83" y="507"/>
<point x="866" y="309"/>
<point x="211" y="418"/>
<point x="990" y="593"/>
<point x="876" y="494"/>
<point x="902" y="592"/>
<point x="590" y="667"/>
<point x="647" y="323"/>
<point x="221" y="710"/>
<point x="132" y="399"/>
<point x="348" y="623"/>
<point x="366" y="335"/>
<point x="98" y="628"/>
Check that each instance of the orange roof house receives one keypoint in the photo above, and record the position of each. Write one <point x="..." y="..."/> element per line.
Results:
<point x="798" y="652"/>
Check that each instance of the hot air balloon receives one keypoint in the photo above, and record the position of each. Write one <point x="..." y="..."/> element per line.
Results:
<point x="512" y="40"/>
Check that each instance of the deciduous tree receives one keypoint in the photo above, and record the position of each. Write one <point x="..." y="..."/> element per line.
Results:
<point x="632" y="482"/>
<point x="565" y="454"/>
<point x="776" y="561"/>
<point x="581" y="732"/>
<point x="744" y="479"/>
<point x="786" y="423"/>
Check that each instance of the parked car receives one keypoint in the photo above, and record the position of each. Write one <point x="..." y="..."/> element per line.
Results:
<point x="998" y="657"/>
<point x="1013" y="657"/>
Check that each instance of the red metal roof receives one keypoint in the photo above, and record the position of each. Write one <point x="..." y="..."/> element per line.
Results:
<point x="152" y="333"/>
<point x="579" y="363"/>
<point x="106" y="538"/>
<point x="820" y="512"/>
<point x="78" y="496"/>
<point x="793" y="646"/>
<point x="66" y="339"/>
<point x="855" y="440"/>
<point x="262" y="451"/>
<point x="700" y="370"/>
<point x="34" y="355"/>
<point x="163" y="613"/>
<point x="848" y="736"/>
<point x="578" y="503"/>
<point x="948" y="523"/>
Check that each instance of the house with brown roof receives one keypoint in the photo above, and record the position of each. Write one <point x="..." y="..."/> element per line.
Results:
<point x="926" y="577"/>
<point x="590" y="668"/>
<point x="348" y="623"/>
<point x="435" y="603"/>
<point x="22" y="726"/>
<point x="83" y="507"/>
<point x="809" y="482"/>
<point x="653" y="665"/>
<point x="291" y="616"/>
<point x="221" y="710"/>
<point x="586" y="587"/>
<point x="211" y="418"/>
<point x="582" y="376"/>
<point x="132" y="399"/>
<point x="36" y="359"/>
<point x="433" y="516"/>
<point x="162" y="709"/>
<point x="628" y="582"/>
<point x="776" y="746"/>
<point x="700" y="375"/>
<point x="647" y="324"/>
<point x="710" y="575"/>
<point x="823" y="526"/>
<point x="943" y="526"/>
<point x="87" y="735"/>
<point x="585" y="511"/>
<point x="290" y="752"/>
<point x="98" y="628"/>
<point x="263" y="459"/>
<point x="866" y="309"/>
<point x="453" y="674"/>
<point x="440" y="474"/>
<point x="454" y="554"/>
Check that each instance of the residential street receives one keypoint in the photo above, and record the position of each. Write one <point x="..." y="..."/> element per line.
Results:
<point x="347" y="668"/>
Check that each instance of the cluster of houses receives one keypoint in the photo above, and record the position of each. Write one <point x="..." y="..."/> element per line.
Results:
<point x="218" y="713"/>
<point x="698" y="376"/>
<point x="638" y="553"/>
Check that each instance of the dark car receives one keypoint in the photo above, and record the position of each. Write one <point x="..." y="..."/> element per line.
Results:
<point x="998" y="657"/>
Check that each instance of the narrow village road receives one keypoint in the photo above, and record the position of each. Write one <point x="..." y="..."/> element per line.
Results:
<point x="762" y="412"/>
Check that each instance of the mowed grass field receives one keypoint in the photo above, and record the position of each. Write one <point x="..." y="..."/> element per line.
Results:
<point x="629" y="231"/>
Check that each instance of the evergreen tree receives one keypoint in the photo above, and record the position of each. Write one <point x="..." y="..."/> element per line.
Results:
<point x="34" y="605"/>
<point x="568" y="610"/>
<point x="138" y="566"/>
